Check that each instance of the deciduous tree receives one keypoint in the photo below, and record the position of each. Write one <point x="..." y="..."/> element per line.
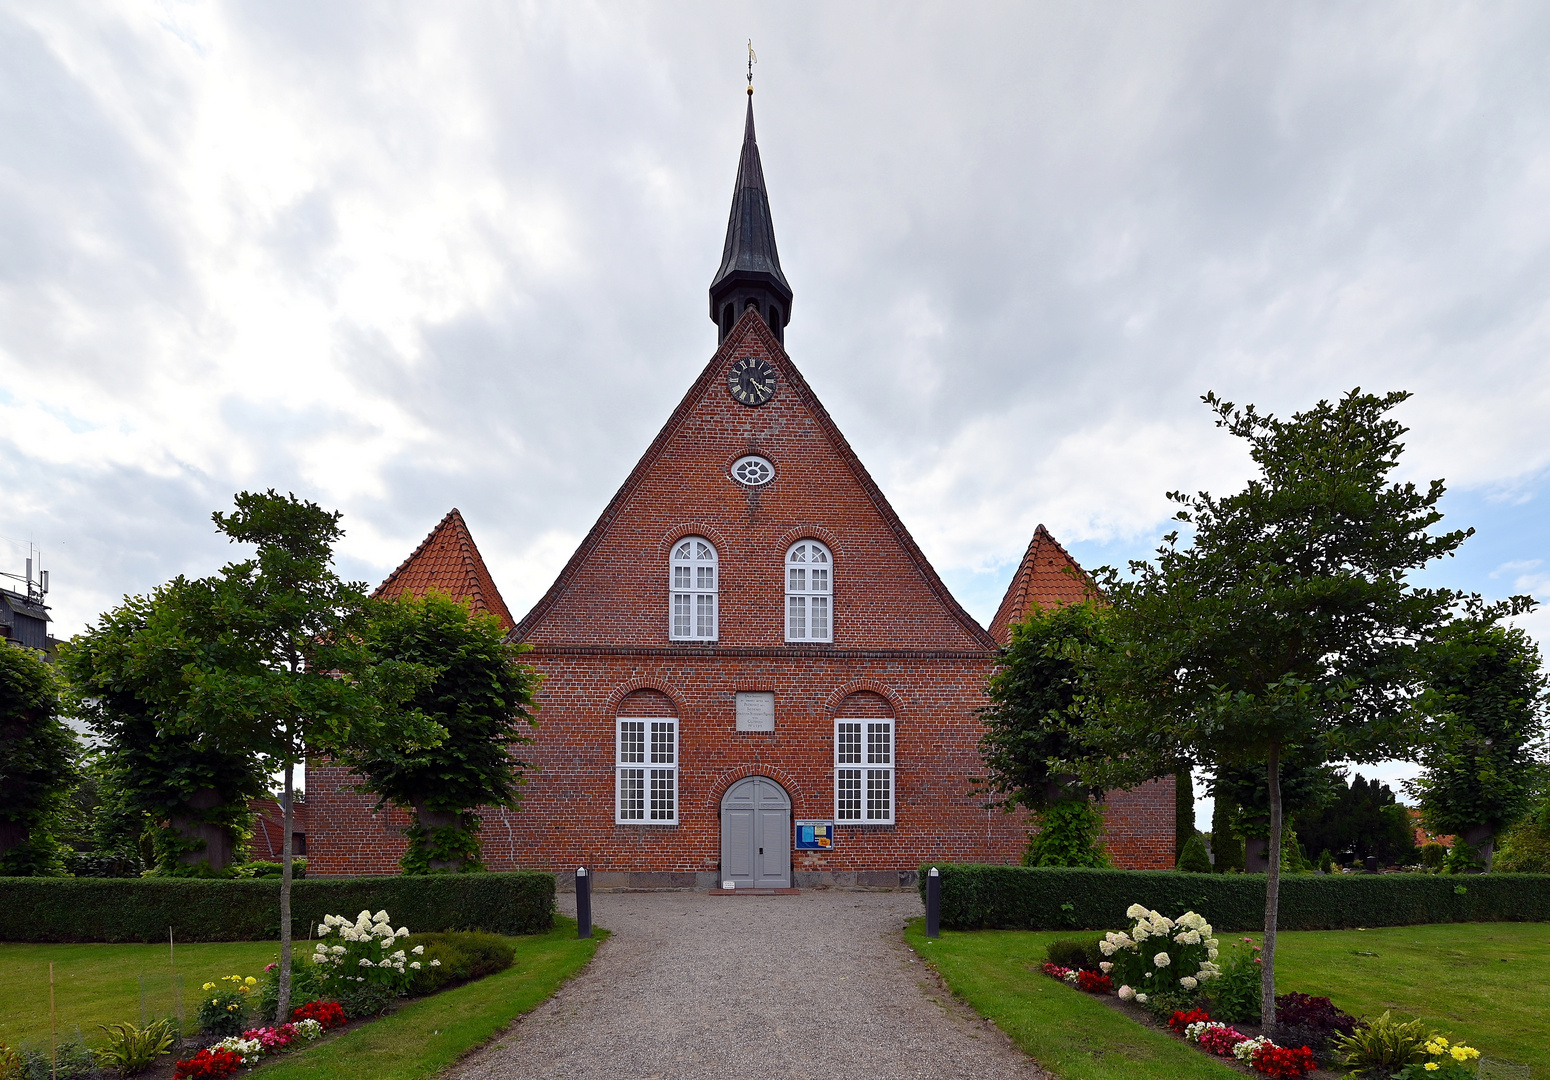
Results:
<point x="481" y="695"/>
<point x="37" y="770"/>
<point x="1286" y="619"/>
<point x="1485" y="704"/>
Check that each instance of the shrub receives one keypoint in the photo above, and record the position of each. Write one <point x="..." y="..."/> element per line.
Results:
<point x="360" y="964"/>
<point x="72" y="1060"/>
<point x="224" y="1008"/>
<point x="457" y="957"/>
<point x="1070" y="834"/>
<point x="1318" y="1013"/>
<point x="263" y="868"/>
<point x="1234" y="994"/>
<point x="132" y="1050"/>
<point x="1383" y="1047"/>
<point x="1326" y="861"/>
<point x="1432" y="855"/>
<point x="977" y="896"/>
<point x="10" y="1063"/>
<point x="1068" y="952"/>
<point x="141" y="909"/>
<point x="1193" y="859"/>
<point x="306" y="986"/>
<point x="1160" y="955"/>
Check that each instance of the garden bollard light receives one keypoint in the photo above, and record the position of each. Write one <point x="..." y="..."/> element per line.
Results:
<point x="583" y="903"/>
<point x="1371" y="864"/>
<point x="933" y="904"/>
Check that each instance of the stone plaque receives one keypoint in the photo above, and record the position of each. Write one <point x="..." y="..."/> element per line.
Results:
<point x="755" y="711"/>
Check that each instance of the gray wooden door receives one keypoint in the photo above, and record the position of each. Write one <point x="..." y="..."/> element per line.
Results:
<point x="756" y="834"/>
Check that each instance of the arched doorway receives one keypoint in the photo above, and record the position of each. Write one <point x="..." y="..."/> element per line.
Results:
<point x="756" y="834"/>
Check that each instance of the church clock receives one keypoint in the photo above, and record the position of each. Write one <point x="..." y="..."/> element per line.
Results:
<point x="752" y="381"/>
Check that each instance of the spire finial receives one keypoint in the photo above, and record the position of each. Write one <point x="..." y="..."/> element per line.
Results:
<point x="753" y="58"/>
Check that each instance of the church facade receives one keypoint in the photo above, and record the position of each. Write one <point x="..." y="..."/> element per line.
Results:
<point x="752" y="675"/>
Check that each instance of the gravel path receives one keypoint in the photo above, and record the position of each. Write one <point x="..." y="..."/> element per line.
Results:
<point x="812" y="986"/>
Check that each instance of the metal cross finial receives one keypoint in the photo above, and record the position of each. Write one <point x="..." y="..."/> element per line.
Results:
<point x="753" y="58"/>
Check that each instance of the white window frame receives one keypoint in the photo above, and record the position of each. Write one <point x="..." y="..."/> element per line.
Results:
<point x="865" y="755"/>
<point x="693" y="586"/>
<point x="809" y="591"/>
<point x="646" y="767"/>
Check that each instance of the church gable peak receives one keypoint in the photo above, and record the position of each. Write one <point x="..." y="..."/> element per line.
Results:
<point x="1047" y="577"/>
<point x="886" y="593"/>
<point x="448" y="559"/>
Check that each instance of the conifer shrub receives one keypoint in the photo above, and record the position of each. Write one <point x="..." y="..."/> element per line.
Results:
<point x="1194" y="859"/>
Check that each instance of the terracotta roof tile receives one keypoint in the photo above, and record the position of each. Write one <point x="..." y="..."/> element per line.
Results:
<point x="1047" y="577"/>
<point x="448" y="560"/>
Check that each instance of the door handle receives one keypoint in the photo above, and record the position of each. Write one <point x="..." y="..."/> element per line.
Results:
<point x="761" y="851"/>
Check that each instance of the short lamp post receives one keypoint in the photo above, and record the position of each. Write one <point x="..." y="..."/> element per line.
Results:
<point x="934" y="903"/>
<point x="583" y="903"/>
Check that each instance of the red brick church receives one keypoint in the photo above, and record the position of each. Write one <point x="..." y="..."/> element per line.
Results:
<point x="751" y="672"/>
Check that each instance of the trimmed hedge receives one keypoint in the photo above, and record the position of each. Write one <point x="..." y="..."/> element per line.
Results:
<point x="141" y="909"/>
<point x="977" y="897"/>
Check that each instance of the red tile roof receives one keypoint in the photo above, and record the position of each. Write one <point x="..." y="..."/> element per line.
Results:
<point x="1048" y="577"/>
<point x="448" y="560"/>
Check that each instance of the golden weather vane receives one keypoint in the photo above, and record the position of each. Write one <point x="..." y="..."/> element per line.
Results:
<point x="753" y="58"/>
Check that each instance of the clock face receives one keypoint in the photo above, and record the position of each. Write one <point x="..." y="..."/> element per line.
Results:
<point x="751" y="381"/>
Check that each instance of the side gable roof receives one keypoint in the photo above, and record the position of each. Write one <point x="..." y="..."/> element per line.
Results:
<point x="1047" y="577"/>
<point x="448" y="560"/>
<point x="752" y="325"/>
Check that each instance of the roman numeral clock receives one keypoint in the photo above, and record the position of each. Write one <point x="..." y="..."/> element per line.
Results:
<point x="751" y="381"/>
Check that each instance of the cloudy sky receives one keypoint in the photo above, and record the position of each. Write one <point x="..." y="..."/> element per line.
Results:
<point x="401" y="257"/>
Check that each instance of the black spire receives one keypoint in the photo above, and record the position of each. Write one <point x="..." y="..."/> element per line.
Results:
<point x="750" y="266"/>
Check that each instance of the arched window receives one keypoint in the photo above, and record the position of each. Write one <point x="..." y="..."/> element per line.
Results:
<point x="809" y="593"/>
<point x="694" y="590"/>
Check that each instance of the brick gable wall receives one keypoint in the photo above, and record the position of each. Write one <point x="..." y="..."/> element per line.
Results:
<point x="902" y="647"/>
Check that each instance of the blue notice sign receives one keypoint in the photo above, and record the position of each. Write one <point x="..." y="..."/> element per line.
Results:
<point x="815" y="835"/>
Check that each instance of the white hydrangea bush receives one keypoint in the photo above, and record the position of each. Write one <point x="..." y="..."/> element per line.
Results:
<point x="363" y="951"/>
<point x="1158" y="954"/>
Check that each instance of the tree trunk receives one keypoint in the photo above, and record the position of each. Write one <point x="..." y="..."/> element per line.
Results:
<point x="1267" y="956"/>
<point x="1483" y="839"/>
<point x="283" y="1008"/>
<point x="218" y="848"/>
<point x="438" y="819"/>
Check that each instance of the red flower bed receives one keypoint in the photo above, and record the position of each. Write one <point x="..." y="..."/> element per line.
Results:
<point x="1094" y="983"/>
<point x="208" y="1063"/>
<point x="1283" y="1061"/>
<point x="1055" y="971"/>
<point x="1181" y="1019"/>
<point x="328" y="1013"/>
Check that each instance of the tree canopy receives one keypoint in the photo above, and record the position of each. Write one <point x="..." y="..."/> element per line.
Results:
<point x="1484" y="705"/>
<point x="477" y="692"/>
<point x="37" y="764"/>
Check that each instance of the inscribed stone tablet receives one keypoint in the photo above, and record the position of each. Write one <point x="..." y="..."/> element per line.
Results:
<point x="755" y="712"/>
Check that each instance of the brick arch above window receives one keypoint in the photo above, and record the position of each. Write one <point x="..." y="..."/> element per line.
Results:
<point x="865" y="703"/>
<point x="718" y="787"/>
<point x="616" y="698"/>
<point x="647" y="701"/>
<point x="690" y="528"/>
<point x="810" y="532"/>
<point x="889" y="695"/>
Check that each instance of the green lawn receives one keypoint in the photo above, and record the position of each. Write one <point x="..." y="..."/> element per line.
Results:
<point x="101" y="984"/>
<point x="1485" y="983"/>
<point x="1068" y="1032"/>
<point x="425" y="1036"/>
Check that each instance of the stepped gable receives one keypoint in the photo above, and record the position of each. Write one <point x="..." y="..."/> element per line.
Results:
<point x="1047" y="577"/>
<point x="614" y="590"/>
<point x="448" y="560"/>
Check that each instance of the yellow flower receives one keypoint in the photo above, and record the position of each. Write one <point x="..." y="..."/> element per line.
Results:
<point x="208" y="986"/>
<point x="251" y="981"/>
<point x="1442" y="1042"/>
<point x="1432" y="1066"/>
<point x="1464" y="1053"/>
